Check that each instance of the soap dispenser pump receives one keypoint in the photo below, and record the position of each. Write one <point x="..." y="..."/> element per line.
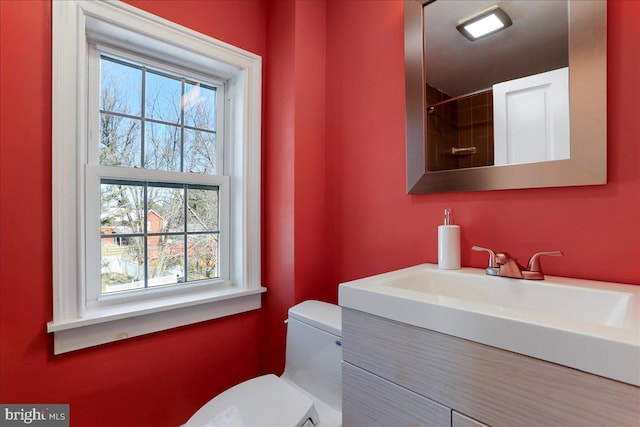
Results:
<point x="448" y="243"/>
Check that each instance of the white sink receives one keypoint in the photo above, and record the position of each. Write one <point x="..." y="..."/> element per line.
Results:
<point x="587" y="325"/>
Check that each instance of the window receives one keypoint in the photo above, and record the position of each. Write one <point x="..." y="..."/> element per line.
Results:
<point x="154" y="234"/>
<point x="163" y="228"/>
<point x="155" y="175"/>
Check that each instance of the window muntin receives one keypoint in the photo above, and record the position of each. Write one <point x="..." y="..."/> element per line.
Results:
<point x="167" y="231"/>
<point x="150" y="231"/>
<point x="156" y="120"/>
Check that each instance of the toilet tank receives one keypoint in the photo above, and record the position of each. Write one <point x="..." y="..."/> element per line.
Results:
<point x="314" y="350"/>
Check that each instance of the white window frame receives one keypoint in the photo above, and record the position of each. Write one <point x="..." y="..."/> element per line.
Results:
<point x="77" y="24"/>
<point x="94" y="172"/>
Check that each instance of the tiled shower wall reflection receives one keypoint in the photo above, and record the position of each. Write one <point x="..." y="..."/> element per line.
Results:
<point x="465" y="122"/>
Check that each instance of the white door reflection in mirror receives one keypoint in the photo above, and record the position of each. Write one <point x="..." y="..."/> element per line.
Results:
<point x="531" y="118"/>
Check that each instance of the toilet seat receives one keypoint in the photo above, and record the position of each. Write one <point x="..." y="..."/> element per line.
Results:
<point x="260" y="402"/>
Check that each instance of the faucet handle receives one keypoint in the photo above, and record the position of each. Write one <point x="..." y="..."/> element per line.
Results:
<point x="492" y="269"/>
<point x="534" y="261"/>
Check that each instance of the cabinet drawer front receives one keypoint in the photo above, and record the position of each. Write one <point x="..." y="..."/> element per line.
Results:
<point x="370" y="401"/>
<point x="459" y="420"/>
<point x="494" y="386"/>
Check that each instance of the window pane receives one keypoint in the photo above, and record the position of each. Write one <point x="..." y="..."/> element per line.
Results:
<point x="120" y="141"/>
<point x="202" y="208"/>
<point x="145" y="226"/>
<point x="120" y="87"/>
<point x="122" y="263"/>
<point x="162" y="147"/>
<point x="166" y="259"/>
<point x="166" y="209"/>
<point x="121" y="207"/>
<point x="199" y="152"/>
<point x="162" y="98"/>
<point x="202" y="252"/>
<point x="200" y="106"/>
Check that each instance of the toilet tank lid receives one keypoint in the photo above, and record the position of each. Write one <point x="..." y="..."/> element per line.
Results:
<point x="322" y="315"/>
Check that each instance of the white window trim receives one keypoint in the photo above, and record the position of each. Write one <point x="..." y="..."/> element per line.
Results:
<point x="94" y="172"/>
<point x="75" y="23"/>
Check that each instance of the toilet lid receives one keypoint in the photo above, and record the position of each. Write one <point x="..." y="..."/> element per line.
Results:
<point x="260" y="402"/>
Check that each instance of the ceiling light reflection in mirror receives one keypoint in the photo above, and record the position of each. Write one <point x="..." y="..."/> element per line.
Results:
<point x="462" y="74"/>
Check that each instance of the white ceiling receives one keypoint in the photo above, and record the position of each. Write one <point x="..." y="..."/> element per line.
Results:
<point x="537" y="41"/>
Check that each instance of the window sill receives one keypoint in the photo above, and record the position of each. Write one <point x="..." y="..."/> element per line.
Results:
<point x="114" y="323"/>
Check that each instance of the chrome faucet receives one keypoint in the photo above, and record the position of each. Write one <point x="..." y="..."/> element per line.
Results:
<point x="503" y="264"/>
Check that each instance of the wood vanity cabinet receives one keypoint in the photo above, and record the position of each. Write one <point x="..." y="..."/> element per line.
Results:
<point x="396" y="374"/>
<point x="459" y="420"/>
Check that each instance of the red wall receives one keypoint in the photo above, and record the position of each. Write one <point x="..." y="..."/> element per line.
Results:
<point x="334" y="204"/>
<point x="156" y="380"/>
<point x="278" y="245"/>
<point x="309" y="161"/>
<point x="294" y="167"/>
<point x="376" y="227"/>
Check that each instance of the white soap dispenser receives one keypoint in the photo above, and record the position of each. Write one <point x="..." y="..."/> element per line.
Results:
<point x="448" y="244"/>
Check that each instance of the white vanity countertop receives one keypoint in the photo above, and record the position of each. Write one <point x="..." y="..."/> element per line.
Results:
<point x="587" y="325"/>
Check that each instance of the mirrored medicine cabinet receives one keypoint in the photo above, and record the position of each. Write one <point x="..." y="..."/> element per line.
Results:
<point x="524" y="107"/>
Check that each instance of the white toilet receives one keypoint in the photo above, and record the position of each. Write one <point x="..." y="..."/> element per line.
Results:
<point x="309" y="392"/>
